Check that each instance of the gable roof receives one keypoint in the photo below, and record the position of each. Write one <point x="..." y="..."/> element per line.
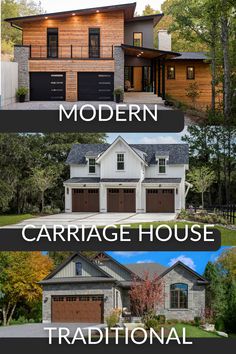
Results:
<point x="178" y="153"/>
<point x="152" y="268"/>
<point x="181" y="264"/>
<point x="128" y="9"/>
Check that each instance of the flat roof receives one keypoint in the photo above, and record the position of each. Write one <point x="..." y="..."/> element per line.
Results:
<point x="150" y="53"/>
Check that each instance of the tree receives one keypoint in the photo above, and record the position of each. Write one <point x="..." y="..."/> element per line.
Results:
<point x="146" y="294"/>
<point x="193" y="92"/>
<point x="148" y="10"/>
<point x="201" y="178"/>
<point x="20" y="273"/>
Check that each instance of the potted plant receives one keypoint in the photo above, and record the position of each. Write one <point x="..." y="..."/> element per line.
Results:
<point x="119" y="94"/>
<point x="21" y="93"/>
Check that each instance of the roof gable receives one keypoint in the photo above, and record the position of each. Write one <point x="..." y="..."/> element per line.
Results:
<point x="190" y="270"/>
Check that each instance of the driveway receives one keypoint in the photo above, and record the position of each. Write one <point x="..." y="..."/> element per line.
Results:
<point x="37" y="329"/>
<point x="98" y="219"/>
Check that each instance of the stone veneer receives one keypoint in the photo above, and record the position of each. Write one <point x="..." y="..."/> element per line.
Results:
<point x="21" y="56"/>
<point x="119" y="67"/>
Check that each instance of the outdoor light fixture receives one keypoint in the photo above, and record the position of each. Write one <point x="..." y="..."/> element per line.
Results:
<point x="46" y="17"/>
<point x="97" y="11"/>
<point x="73" y="14"/>
<point x="45" y="299"/>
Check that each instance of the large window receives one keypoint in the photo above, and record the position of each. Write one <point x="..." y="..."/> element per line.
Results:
<point x="52" y="42"/>
<point x="190" y="73"/>
<point x="78" y="268"/>
<point x="120" y="162"/>
<point x="162" y="165"/>
<point x="94" y="43"/>
<point x="179" y="296"/>
<point x="92" y="166"/>
<point x="170" y="72"/>
<point x="138" y="39"/>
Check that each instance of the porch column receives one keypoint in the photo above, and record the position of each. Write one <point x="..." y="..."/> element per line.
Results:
<point x="159" y="78"/>
<point x="163" y="81"/>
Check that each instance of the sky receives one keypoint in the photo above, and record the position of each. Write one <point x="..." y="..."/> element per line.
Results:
<point x="63" y="5"/>
<point x="195" y="260"/>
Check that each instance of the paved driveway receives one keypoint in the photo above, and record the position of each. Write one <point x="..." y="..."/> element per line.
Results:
<point x="37" y="329"/>
<point x="98" y="219"/>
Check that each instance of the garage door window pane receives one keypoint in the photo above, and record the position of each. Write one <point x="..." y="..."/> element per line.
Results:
<point x="120" y="162"/>
<point x="92" y="166"/>
<point x="162" y="165"/>
<point x="78" y="268"/>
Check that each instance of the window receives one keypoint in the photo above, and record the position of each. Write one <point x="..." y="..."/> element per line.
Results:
<point x="92" y="166"/>
<point x="116" y="304"/>
<point x="52" y="42"/>
<point x="179" y="296"/>
<point x="94" y="42"/>
<point x="190" y="73"/>
<point x="162" y="165"/>
<point x="138" y="39"/>
<point x="78" y="268"/>
<point x="120" y="162"/>
<point x="170" y="72"/>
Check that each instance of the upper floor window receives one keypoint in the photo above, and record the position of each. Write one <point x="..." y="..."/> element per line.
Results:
<point x="190" y="73"/>
<point x="52" y="42"/>
<point x="78" y="268"/>
<point x="138" y="39"/>
<point x="179" y="296"/>
<point x="94" y="42"/>
<point x="162" y="165"/>
<point x="170" y="72"/>
<point x="120" y="162"/>
<point x="92" y="166"/>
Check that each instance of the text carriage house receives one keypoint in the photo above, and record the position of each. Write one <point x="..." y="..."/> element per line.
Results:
<point x="87" y="290"/>
<point x="84" y="54"/>
<point x="122" y="177"/>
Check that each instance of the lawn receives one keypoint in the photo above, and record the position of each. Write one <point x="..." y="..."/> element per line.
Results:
<point x="228" y="237"/>
<point x="13" y="219"/>
<point x="192" y="331"/>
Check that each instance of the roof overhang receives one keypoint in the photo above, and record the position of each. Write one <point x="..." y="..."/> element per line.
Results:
<point x="148" y="53"/>
<point x="128" y="10"/>
<point x="155" y="18"/>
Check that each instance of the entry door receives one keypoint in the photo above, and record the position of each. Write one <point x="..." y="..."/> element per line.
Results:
<point x="121" y="200"/>
<point x="138" y="78"/>
<point x="160" y="200"/>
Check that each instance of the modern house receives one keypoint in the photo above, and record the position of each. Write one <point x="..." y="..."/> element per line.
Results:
<point x="84" y="54"/>
<point x="87" y="290"/>
<point x="122" y="177"/>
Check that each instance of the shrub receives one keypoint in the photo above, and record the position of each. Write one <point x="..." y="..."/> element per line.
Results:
<point x="151" y="323"/>
<point x="119" y="91"/>
<point x="220" y="324"/>
<point x="112" y="319"/>
<point x="22" y="91"/>
<point x="21" y="320"/>
<point x="197" y="321"/>
<point x="161" y="319"/>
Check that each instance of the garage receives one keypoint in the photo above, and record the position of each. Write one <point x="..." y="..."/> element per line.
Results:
<point x="85" y="200"/>
<point x="160" y="200"/>
<point x="47" y="86"/>
<point x="121" y="200"/>
<point x="78" y="308"/>
<point x="95" y="86"/>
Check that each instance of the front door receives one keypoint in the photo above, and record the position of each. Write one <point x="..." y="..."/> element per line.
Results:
<point x="138" y="78"/>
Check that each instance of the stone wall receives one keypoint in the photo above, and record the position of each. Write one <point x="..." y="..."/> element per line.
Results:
<point x="196" y="295"/>
<point x="21" y="56"/>
<point x="119" y="67"/>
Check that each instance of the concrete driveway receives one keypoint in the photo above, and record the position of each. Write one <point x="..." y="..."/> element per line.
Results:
<point x="37" y="329"/>
<point x="98" y="219"/>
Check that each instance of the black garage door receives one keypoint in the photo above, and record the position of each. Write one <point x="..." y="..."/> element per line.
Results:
<point x="47" y="86"/>
<point x="97" y="86"/>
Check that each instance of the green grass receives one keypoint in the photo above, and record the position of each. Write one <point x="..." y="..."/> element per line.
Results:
<point x="13" y="219"/>
<point x="228" y="237"/>
<point x="192" y="331"/>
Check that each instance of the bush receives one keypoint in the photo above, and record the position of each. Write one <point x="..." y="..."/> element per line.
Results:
<point x="48" y="209"/>
<point x="22" y="91"/>
<point x="220" y="324"/>
<point x="21" y="320"/>
<point x="161" y="319"/>
<point x="197" y="321"/>
<point x="112" y="319"/>
<point x="151" y="323"/>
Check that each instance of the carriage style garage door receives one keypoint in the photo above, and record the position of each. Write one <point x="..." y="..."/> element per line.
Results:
<point x="121" y="200"/>
<point x="47" y="86"/>
<point x="85" y="200"/>
<point x="82" y="308"/>
<point x="160" y="200"/>
<point x="96" y="86"/>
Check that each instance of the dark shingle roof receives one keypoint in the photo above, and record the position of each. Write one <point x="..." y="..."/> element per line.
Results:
<point x="192" y="56"/>
<point x="70" y="280"/>
<point x="178" y="153"/>
<point x="162" y="180"/>
<point x="83" y="180"/>
<point x="152" y="269"/>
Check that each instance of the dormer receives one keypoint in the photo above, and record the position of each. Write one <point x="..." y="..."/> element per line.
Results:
<point x="162" y="161"/>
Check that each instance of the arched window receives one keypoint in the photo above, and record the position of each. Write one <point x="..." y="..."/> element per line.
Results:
<point x="179" y="296"/>
<point x="78" y="268"/>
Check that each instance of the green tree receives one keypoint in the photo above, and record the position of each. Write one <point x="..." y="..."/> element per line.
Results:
<point x="148" y="10"/>
<point x="201" y="178"/>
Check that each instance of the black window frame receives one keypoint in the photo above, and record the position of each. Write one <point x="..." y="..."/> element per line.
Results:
<point x="187" y="72"/>
<point x="52" y="29"/>
<point x="168" y="72"/>
<point x="175" y="296"/>
<point x="78" y="272"/>
<point x="92" y="165"/>
<point x="120" y="163"/>
<point x="94" y="52"/>
<point x="141" y="44"/>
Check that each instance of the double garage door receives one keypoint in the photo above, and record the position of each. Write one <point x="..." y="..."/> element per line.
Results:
<point x="95" y="86"/>
<point x="160" y="200"/>
<point x="78" y="308"/>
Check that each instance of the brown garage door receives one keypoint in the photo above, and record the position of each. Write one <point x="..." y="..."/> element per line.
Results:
<point x="85" y="200"/>
<point x="121" y="200"/>
<point x="82" y="308"/>
<point x="160" y="200"/>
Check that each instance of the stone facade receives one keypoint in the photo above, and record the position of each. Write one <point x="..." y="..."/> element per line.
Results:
<point x="21" y="56"/>
<point x="196" y="295"/>
<point x="119" y="67"/>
